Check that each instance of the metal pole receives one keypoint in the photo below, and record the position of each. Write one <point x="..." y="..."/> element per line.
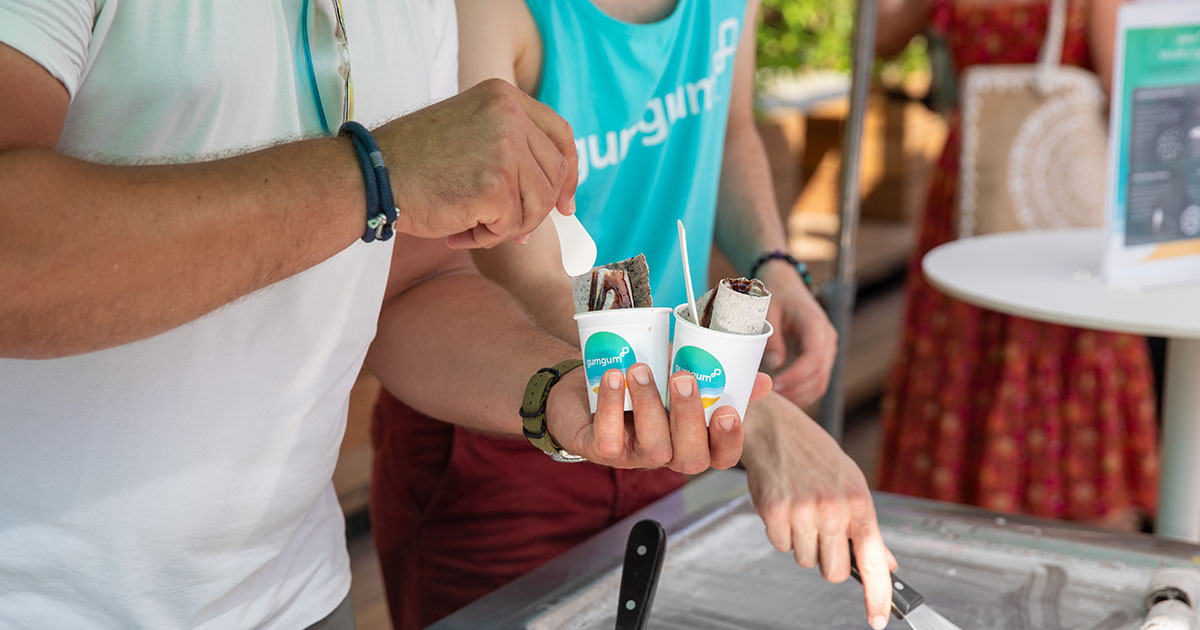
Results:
<point x="839" y="292"/>
<point x="1178" y="495"/>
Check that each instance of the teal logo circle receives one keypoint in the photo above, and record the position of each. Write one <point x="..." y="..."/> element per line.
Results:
<point x="710" y="374"/>
<point x="603" y="352"/>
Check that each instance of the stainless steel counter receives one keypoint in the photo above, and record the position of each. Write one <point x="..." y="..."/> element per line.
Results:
<point x="978" y="569"/>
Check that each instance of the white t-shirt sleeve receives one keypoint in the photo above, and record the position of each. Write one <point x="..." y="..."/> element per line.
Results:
<point x="54" y="33"/>
<point x="445" y="60"/>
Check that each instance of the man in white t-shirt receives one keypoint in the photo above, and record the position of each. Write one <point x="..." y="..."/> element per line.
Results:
<point x="185" y="301"/>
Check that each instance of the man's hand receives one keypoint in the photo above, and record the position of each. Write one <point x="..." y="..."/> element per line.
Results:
<point x="646" y="437"/>
<point x="799" y="319"/>
<point x="480" y="168"/>
<point x="814" y="500"/>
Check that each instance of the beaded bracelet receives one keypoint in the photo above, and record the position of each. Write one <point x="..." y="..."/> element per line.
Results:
<point x="381" y="206"/>
<point x="778" y="254"/>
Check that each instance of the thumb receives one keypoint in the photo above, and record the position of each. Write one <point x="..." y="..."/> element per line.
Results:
<point x="776" y="351"/>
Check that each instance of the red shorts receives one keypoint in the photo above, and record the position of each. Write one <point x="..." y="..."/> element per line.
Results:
<point x="457" y="514"/>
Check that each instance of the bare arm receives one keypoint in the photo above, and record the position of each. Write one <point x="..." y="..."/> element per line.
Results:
<point x="811" y="496"/>
<point x="748" y="224"/>
<point x="748" y="221"/>
<point x="500" y="40"/>
<point x="1102" y="38"/>
<point x="94" y="256"/>
<point x="897" y="22"/>
<point x="533" y="273"/>
<point x="443" y="318"/>
<point x="454" y="345"/>
<point x="88" y="256"/>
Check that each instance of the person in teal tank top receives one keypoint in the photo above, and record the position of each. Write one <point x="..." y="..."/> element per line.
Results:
<point x="648" y="104"/>
<point x="659" y="96"/>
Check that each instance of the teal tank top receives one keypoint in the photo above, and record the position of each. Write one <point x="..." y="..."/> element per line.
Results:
<point x="648" y="104"/>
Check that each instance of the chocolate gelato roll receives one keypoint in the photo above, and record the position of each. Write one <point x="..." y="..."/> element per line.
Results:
<point x="736" y="305"/>
<point x="624" y="284"/>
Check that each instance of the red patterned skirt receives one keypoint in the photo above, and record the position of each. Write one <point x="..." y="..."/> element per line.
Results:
<point x="1012" y="414"/>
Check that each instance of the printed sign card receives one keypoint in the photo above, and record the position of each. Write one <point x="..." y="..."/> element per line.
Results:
<point x="1153" y="214"/>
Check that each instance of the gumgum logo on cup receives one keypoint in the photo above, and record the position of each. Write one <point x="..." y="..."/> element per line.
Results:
<point x="709" y="373"/>
<point x="618" y="338"/>
<point x="607" y="361"/>
<point x="707" y="378"/>
<point x="604" y="351"/>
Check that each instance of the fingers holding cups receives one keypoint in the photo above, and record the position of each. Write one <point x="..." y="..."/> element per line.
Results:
<point x="652" y="430"/>
<point x="608" y="425"/>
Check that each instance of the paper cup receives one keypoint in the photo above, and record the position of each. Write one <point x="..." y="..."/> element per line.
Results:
<point x="725" y="364"/>
<point x="619" y="338"/>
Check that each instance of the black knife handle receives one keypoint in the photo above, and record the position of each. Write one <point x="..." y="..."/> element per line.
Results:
<point x="639" y="578"/>
<point x="904" y="597"/>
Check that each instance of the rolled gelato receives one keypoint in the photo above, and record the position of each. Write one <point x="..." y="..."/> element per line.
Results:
<point x="609" y="289"/>
<point x="624" y="284"/>
<point x="735" y="305"/>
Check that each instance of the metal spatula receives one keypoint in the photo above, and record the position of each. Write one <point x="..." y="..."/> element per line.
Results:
<point x="908" y="604"/>
<point x="639" y="578"/>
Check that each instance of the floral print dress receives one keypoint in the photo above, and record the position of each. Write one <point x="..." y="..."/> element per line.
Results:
<point x="1003" y="412"/>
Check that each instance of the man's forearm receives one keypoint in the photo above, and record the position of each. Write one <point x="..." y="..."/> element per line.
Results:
<point x="93" y="256"/>
<point x="457" y="347"/>
<point x="748" y="221"/>
<point x="533" y="274"/>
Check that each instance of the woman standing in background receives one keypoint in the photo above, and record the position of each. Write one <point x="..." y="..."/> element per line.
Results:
<point x="999" y="411"/>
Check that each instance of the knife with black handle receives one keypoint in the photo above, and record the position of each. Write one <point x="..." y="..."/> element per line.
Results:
<point x="908" y="604"/>
<point x="639" y="578"/>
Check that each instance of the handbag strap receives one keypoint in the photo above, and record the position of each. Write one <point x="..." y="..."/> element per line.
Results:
<point x="1050" y="56"/>
<point x="1056" y="33"/>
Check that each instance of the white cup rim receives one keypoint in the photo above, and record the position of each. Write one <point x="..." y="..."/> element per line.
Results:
<point x="683" y="321"/>
<point x="645" y="310"/>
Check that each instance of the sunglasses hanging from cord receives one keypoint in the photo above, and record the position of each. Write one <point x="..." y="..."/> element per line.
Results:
<point x="339" y="34"/>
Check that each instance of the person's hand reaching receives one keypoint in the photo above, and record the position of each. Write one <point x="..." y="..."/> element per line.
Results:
<point x="480" y="168"/>
<point x="799" y="322"/>
<point x="814" y="500"/>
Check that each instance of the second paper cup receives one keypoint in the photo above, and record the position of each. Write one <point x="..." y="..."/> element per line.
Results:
<point x="725" y="364"/>
<point x="618" y="338"/>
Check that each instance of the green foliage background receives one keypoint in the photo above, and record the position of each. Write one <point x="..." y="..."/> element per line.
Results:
<point x="816" y="35"/>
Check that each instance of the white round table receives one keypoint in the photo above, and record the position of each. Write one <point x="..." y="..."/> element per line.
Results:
<point x="1054" y="276"/>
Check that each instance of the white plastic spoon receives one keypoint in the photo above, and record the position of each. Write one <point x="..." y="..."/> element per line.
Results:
<point x="687" y="272"/>
<point x="578" y="248"/>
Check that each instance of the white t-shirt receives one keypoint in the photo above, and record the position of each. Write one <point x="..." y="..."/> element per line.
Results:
<point x="183" y="481"/>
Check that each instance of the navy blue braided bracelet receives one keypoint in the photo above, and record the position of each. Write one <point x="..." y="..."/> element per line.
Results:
<point x="381" y="206"/>
<point x="368" y="174"/>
